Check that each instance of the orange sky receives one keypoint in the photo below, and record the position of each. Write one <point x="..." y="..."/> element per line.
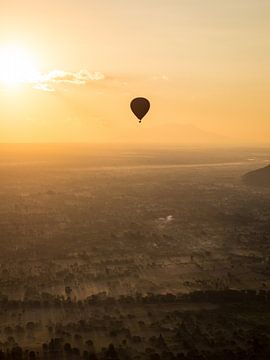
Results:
<point x="203" y="64"/>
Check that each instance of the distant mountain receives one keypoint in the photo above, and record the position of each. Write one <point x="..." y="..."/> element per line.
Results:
<point x="259" y="177"/>
<point x="178" y="134"/>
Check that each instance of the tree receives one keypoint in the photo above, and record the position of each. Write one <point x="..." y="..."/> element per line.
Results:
<point x="68" y="291"/>
<point x="111" y="353"/>
<point x="17" y="353"/>
<point x="32" y="355"/>
<point x="67" y="348"/>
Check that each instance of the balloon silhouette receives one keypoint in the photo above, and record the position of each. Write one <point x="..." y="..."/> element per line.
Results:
<point x="140" y="107"/>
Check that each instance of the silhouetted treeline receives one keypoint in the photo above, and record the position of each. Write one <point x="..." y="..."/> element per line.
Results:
<point x="221" y="296"/>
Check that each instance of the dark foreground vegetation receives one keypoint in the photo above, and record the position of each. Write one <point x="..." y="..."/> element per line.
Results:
<point x="225" y="324"/>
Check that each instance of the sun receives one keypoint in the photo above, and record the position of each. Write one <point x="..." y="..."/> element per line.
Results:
<point x="17" y="67"/>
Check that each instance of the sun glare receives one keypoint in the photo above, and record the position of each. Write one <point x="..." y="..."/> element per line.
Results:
<point x="17" y="67"/>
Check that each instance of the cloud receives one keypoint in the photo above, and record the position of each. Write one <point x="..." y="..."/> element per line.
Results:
<point x="46" y="82"/>
<point x="81" y="77"/>
<point x="43" y="87"/>
<point x="160" y="77"/>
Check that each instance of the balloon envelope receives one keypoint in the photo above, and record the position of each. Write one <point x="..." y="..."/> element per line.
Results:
<point x="140" y="107"/>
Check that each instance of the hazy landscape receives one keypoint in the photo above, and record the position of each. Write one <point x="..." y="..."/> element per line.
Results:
<point x="133" y="253"/>
<point x="134" y="180"/>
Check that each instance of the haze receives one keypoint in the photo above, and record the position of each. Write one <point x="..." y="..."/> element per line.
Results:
<point x="203" y="64"/>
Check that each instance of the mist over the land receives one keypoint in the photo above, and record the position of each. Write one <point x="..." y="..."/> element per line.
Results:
<point x="126" y="252"/>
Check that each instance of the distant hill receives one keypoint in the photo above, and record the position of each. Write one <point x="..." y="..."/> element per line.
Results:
<point x="174" y="133"/>
<point x="259" y="177"/>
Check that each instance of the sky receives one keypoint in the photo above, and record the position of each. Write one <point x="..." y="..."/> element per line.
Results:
<point x="203" y="64"/>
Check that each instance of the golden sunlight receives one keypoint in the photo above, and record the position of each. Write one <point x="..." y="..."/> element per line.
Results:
<point x="17" y="66"/>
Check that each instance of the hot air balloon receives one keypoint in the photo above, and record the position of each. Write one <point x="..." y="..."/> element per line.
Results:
<point x="140" y="107"/>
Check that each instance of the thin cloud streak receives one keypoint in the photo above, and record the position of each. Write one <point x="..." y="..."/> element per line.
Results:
<point x="43" y="87"/>
<point x="79" y="78"/>
<point x="48" y="82"/>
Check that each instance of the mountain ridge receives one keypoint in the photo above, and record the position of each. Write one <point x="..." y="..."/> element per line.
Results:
<point x="259" y="177"/>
